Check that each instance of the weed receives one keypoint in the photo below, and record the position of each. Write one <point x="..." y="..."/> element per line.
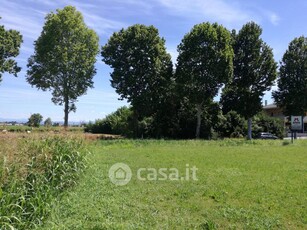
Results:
<point x="49" y="166"/>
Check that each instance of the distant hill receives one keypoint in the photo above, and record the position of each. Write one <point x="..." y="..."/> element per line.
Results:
<point x="12" y="120"/>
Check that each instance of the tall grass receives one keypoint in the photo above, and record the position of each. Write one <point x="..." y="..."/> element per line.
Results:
<point x="35" y="175"/>
<point x="41" y="129"/>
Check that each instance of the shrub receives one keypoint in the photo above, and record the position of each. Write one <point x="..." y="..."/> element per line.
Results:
<point x="264" y="123"/>
<point x="118" y="123"/>
<point x="231" y="125"/>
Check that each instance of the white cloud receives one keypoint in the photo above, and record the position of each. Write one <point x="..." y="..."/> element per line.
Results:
<point x="29" y="21"/>
<point x="21" y="18"/>
<point x="144" y="7"/>
<point x="216" y="10"/>
<point x="274" y="19"/>
<point x="101" y="25"/>
<point x="46" y="2"/>
<point x="12" y="95"/>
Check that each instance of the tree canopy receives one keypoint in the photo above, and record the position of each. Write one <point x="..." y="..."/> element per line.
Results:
<point x="254" y="73"/>
<point x="64" y="58"/>
<point x="35" y="120"/>
<point x="204" y="65"/>
<point x="10" y="41"/>
<point x="142" y="68"/>
<point x="291" y="95"/>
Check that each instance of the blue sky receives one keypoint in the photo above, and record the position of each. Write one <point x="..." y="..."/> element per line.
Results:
<point x="281" y="21"/>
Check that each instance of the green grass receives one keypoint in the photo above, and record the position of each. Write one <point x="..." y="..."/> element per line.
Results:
<point x="241" y="185"/>
<point x="33" y="173"/>
<point x="41" y="129"/>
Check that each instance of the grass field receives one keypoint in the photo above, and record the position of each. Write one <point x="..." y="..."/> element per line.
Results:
<point x="241" y="185"/>
<point x="41" y="129"/>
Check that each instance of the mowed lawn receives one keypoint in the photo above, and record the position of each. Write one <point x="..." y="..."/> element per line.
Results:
<point x="241" y="185"/>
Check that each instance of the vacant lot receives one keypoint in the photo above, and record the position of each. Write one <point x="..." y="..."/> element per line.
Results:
<point x="241" y="185"/>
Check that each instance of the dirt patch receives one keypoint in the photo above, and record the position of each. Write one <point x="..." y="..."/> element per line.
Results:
<point x="91" y="136"/>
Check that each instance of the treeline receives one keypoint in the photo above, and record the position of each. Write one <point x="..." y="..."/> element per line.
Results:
<point x="177" y="100"/>
<point x="216" y="125"/>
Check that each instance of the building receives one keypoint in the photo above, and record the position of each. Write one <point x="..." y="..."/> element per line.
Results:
<point x="273" y="110"/>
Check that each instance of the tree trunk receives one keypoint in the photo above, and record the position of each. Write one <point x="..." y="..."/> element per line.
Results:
<point x="66" y="111"/>
<point x="249" y="134"/>
<point x="136" y="124"/>
<point x="198" y="114"/>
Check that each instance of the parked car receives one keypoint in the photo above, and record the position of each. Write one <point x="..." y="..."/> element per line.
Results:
<point x="267" y="136"/>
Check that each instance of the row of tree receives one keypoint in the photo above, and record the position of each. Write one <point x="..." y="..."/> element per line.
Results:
<point x="210" y="59"/>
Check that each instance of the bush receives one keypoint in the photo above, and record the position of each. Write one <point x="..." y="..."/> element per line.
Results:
<point x="117" y="123"/>
<point x="231" y="125"/>
<point x="44" y="169"/>
<point x="183" y="124"/>
<point x="264" y="123"/>
<point x="187" y="121"/>
<point x="234" y="126"/>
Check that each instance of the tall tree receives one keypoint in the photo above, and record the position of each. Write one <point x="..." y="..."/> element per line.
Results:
<point x="10" y="41"/>
<point x="254" y="73"/>
<point x="64" y="58"/>
<point x="292" y="82"/>
<point x="142" y="69"/>
<point x="204" y="65"/>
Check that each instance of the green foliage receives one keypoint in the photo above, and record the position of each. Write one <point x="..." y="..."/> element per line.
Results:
<point x="291" y="95"/>
<point x="35" y="120"/>
<point x="231" y="125"/>
<point x="264" y="123"/>
<point x="142" y="68"/>
<point x="118" y="123"/>
<point x="254" y="72"/>
<point x="28" y="188"/>
<point x="187" y="121"/>
<point x="121" y="122"/>
<point x="204" y="65"/>
<point x="10" y="41"/>
<point x="64" y="58"/>
<point x="48" y="122"/>
<point x="215" y="125"/>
